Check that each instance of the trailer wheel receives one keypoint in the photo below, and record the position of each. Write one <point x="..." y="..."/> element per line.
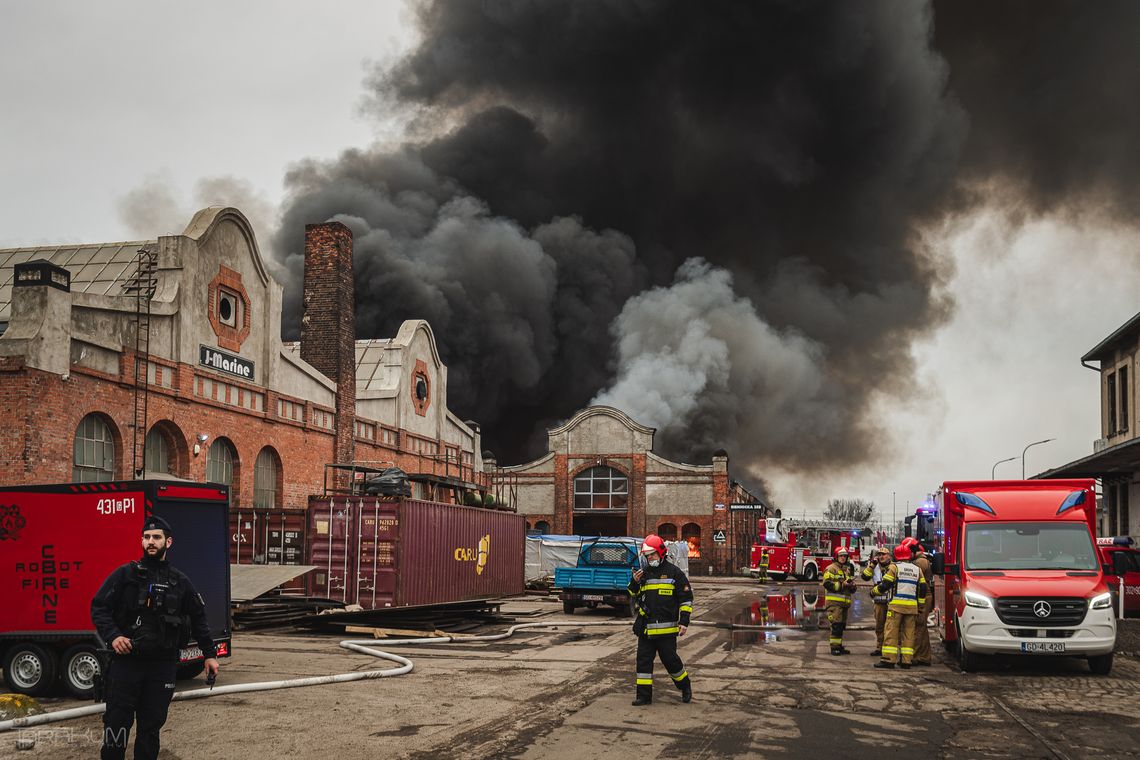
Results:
<point x="189" y="670"/>
<point x="811" y="572"/>
<point x="568" y="608"/>
<point x="79" y="669"/>
<point x="30" y="669"/>
<point x="1101" y="664"/>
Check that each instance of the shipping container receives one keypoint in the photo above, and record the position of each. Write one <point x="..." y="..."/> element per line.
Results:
<point x="379" y="552"/>
<point x="269" y="537"/>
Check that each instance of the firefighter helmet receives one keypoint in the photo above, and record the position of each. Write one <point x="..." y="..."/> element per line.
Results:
<point x="879" y="550"/>
<point x="909" y="541"/>
<point x="653" y="543"/>
<point x="842" y="550"/>
<point x="903" y="552"/>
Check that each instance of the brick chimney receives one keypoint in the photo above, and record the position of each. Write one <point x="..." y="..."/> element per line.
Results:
<point x="328" y="335"/>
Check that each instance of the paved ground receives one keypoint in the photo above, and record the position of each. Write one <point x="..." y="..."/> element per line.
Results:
<point x="565" y="693"/>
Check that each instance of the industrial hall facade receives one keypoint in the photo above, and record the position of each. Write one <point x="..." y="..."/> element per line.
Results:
<point x="600" y="476"/>
<point x="164" y="358"/>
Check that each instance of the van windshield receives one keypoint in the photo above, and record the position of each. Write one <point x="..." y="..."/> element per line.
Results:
<point x="1029" y="546"/>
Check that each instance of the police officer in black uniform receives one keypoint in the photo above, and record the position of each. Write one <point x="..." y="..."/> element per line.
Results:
<point x="664" y="601"/>
<point x="147" y="610"/>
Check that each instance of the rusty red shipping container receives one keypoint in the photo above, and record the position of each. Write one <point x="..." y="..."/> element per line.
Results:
<point x="269" y="537"/>
<point x="384" y="553"/>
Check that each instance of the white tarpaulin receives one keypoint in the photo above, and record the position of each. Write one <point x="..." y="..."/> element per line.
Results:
<point x="544" y="553"/>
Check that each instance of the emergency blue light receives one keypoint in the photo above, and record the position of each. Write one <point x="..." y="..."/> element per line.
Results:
<point x="1076" y="498"/>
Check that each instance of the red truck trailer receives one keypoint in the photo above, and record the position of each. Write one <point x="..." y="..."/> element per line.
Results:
<point x="1123" y="567"/>
<point x="1023" y="575"/>
<point x="57" y="545"/>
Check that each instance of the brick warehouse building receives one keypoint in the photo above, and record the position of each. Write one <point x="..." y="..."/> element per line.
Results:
<point x="600" y="476"/>
<point x="226" y="399"/>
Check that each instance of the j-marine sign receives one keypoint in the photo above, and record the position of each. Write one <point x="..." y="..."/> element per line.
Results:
<point x="224" y="362"/>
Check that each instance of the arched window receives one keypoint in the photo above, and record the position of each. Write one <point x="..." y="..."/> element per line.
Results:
<point x="266" y="479"/>
<point x="692" y="534"/>
<point x="158" y="451"/>
<point x="220" y="461"/>
<point x="667" y="531"/>
<point x="542" y="526"/>
<point x="94" y="459"/>
<point x="601" y="488"/>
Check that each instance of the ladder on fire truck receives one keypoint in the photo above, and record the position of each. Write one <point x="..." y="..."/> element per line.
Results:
<point x="142" y="286"/>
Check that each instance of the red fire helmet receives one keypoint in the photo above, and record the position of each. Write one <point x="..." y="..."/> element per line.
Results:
<point x="909" y="541"/>
<point x="653" y="543"/>
<point x="903" y="551"/>
<point x="842" y="550"/>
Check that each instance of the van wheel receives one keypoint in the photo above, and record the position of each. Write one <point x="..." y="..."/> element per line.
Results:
<point x="188" y="670"/>
<point x="1101" y="664"/>
<point x="30" y="669"/>
<point x="811" y="572"/>
<point x="80" y="667"/>
<point x="568" y="608"/>
<point x="967" y="660"/>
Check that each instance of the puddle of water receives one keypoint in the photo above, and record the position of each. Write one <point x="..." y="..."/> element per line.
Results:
<point x="795" y="609"/>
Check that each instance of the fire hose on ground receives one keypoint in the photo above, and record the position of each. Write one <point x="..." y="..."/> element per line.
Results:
<point x="363" y="646"/>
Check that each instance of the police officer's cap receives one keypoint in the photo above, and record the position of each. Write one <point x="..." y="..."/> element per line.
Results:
<point x="154" y="522"/>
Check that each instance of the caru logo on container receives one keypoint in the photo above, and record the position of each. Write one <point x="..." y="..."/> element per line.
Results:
<point x="478" y="556"/>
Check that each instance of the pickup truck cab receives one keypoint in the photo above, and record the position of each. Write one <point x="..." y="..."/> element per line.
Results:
<point x="1022" y="573"/>
<point x="1122" y="563"/>
<point x="605" y="567"/>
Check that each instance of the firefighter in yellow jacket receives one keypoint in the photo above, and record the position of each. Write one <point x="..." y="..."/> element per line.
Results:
<point x="839" y="585"/>
<point x="910" y="590"/>
<point x="922" y="652"/>
<point x="874" y="572"/>
<point x="664" y="601"/>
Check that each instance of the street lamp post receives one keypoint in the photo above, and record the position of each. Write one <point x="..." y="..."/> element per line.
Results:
<point x="993" y="470"/>
<point x="1035" y="443"/>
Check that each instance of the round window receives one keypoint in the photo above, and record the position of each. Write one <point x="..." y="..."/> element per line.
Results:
<point x="421" y="389"/>
<point x="226" y="310"/>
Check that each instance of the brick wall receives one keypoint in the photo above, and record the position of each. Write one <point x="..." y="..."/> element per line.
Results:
<point x="328" y="335"/>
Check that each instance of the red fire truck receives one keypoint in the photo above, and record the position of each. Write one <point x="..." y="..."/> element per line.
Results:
<point x="803" y="549"/>
<point x="57" y="545"/>
<point x="1023" y="575"/>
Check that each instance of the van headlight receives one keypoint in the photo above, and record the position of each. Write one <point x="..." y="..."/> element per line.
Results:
<point x="974" y="599"/>
<point x="1101" y="601"/>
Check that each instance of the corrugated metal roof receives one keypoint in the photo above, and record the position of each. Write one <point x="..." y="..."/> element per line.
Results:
<point x="101" y="268"/>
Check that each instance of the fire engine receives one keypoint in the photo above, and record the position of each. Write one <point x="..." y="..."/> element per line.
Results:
<point x="802" y="549"/>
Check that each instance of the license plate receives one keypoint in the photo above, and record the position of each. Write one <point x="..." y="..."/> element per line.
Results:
<point x="592" y="597"/>
<point x="1043" y="647"/>
<point x="191" y="653"/>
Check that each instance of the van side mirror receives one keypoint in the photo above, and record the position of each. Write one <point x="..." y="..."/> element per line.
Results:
<point x="1110" y="568"/>
<point x="938" y="566"/>
<point x="953" y="569"/>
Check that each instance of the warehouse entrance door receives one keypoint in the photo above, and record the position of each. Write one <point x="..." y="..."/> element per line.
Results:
<point x="600" y="525"/>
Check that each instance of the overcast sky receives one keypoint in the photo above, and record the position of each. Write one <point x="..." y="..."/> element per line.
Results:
<point x="106" y="101"/>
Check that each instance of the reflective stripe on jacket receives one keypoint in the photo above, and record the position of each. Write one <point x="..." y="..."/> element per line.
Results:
<point x="874" y="573"/>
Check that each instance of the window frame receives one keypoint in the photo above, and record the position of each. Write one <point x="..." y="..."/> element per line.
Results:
<point x="101" y="448"/>
<point x="594" y="476"/>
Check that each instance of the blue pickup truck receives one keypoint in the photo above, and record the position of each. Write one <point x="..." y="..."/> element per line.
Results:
<point x="605" y="566"/>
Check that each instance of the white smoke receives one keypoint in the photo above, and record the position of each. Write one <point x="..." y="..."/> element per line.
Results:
<point x="695" y="361"/>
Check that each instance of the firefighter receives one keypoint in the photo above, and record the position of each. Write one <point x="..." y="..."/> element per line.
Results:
<point x="664" y="601"/>
<point x="839" y="585"/>
<point x="147" y="611"/>
<point x="909" y="589"/>
<point x="922" y="652"/>
<point x="874" y="572"/>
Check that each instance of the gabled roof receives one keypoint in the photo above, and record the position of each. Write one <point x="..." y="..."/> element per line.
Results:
<point x="1109" y="344"/>
<point x="102" y="268"/>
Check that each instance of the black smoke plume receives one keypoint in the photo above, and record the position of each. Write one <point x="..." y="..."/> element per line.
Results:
<point x="706" y="215"/>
